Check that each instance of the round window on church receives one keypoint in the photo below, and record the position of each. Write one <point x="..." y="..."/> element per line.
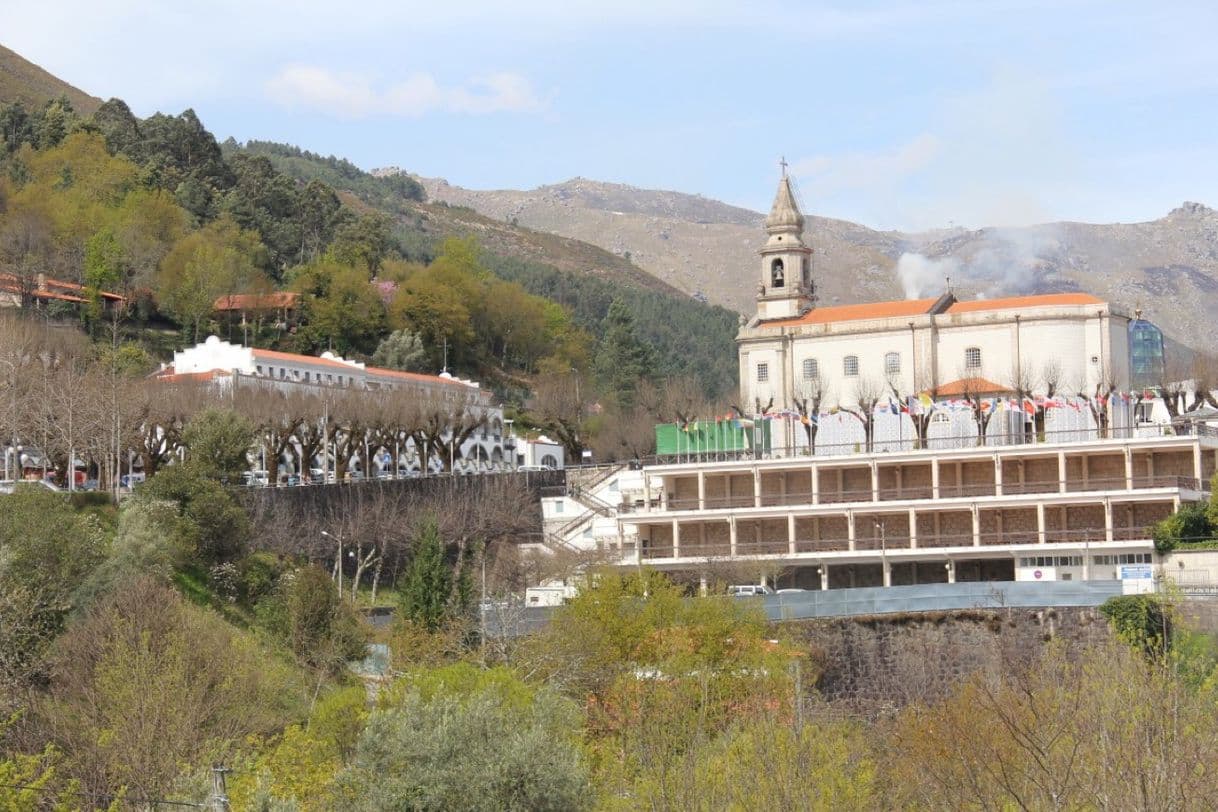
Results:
<point x="777" y="276"/>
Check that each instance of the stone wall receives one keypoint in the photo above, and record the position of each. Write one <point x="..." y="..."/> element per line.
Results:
<point x="885" y="661"/>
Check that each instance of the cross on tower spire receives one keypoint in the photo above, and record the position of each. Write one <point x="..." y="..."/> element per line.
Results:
<point x="782" y="162"/>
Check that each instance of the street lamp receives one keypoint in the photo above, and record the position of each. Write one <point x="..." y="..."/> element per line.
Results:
<point x="884" y="575"/>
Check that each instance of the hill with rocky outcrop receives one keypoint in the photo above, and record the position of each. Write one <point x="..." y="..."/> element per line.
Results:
<point x="1168" y="267"/>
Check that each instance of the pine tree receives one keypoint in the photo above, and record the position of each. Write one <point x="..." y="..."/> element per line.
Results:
<point x="623" y="359"/>
<point x="424" y="598"/>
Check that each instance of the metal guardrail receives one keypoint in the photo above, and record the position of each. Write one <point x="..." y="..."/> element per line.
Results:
<point x="859" y="601"/>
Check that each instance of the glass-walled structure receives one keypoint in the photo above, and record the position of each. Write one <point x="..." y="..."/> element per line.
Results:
<point x="1145" y="354"/>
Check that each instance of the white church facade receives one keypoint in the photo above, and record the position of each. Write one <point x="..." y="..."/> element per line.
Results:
<point x="795" y="355"/>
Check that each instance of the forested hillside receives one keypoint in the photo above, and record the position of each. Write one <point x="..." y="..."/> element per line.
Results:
<point x="157" y="211"/>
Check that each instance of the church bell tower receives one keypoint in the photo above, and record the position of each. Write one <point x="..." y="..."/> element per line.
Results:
<point x="786" y="289"/>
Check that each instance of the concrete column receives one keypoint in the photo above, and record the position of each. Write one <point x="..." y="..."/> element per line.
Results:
<point x="664" y="494"/>
<point x="824" y="576"/>
<point x="1107" y="520"/>
<point x="731" y="536"/>
<point x="850" y="529"/>
<point x="913" y="529"/>
<point x="701" y="490"/>
<point x="815" y="485"/>
<point x="934" y="478"/>
<point x="951" y="571"/>
<point x="1197" y="460"/>
<point x="1128" y="454"/>
<point x="976" y="526"/>
<point x="791" y="533"/>
<point x="875" y="481"/>
<point x="646" y="491"/>
<point x="997" y="476"/>
<point x="887" y="572"/>
<point x="1040" y="523"/>
<point x="702" y="588"/>
<point x="1061" y="471"/>
<point x="676" y="539"/>
<point x="756" y="488"/>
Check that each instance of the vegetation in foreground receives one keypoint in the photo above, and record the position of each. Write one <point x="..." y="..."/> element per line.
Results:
<point x="140" y="646"/>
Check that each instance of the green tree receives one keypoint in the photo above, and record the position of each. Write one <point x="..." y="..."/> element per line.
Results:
<point x="402" y="350"/>
<point x="622" y="360"/>
<point x="146" y="683"/>
<point x="211" y="525"/>
<point x="343" y="310"/>
<point x="477" y="750"/>
<point x="1189" y="525"/>
<point x="426" y="596"/>
<point x="309" y="616"/>
<point x="145" y="544"/>
<point x="217" y="260"/>
<point x="47" y="551"/>
<point x="103" y="271"/>
<point x="219" y="441"/>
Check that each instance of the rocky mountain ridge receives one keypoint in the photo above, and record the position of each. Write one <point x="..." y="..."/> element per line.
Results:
<point x="1166" y="267"/>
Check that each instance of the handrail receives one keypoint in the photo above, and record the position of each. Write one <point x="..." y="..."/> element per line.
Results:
<point x="926" y="492"/>
<point x="721" y="548"/>
<point x="951" y="442"/>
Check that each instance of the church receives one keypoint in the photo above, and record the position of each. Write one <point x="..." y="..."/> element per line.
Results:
<point x="795" y="355"/>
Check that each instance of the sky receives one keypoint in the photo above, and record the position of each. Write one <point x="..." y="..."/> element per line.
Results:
<point x="913" y="115"/>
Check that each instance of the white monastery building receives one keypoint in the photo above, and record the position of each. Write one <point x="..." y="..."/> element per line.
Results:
<point x="226" y="366"/>
<point x="916" y="441"/>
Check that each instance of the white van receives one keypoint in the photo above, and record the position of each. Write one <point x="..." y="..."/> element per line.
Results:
<point x="749" y="590"/>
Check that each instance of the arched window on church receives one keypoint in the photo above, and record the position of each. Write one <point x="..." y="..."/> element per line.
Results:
<point x="777" y="275"/>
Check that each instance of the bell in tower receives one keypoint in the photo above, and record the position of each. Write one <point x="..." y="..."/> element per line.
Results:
<point x="786" y="288"/>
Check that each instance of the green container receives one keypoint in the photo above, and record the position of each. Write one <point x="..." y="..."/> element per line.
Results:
<point x="708" y="437"/>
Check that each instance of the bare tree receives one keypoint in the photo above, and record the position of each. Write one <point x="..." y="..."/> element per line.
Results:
<point x="867" y="394"/>
<point x="559" y="407"/>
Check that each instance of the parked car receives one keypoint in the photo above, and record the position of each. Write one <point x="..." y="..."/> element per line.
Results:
<point x="255" y="478"/>
<point x="130" y="480"/>
<point x="292" y="480"/>
<point x="749" y="590"/>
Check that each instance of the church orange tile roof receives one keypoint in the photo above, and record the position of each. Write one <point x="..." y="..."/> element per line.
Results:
<point x="858" y="312"/>
<point x="901" y="308"/>
<point x="1025" y="301"/>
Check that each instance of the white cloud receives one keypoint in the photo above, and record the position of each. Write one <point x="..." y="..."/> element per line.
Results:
<point x="354" y="96"/>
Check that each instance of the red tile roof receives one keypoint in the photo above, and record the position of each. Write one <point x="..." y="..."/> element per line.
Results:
<point x="858" y="312"/>
<point x="902" y="308"/>
<point x="51" y="289"/>
<point x="167" y="375"/>
<point x="258" y="301"/>
<point x="293" y="358"/>
<point x="970" y="386"/>
<point x="414" y="376"/>
<point x="1012" y="302"/>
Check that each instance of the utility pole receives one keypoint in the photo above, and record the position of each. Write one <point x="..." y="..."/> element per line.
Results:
<point x="218" y="801"/>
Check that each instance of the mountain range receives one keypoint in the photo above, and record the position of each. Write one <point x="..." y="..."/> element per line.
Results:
<point x="1167" y="267"/>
